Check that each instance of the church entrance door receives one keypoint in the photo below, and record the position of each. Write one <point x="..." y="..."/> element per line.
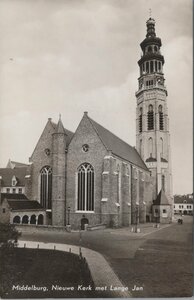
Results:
<point x="84" y="221"/>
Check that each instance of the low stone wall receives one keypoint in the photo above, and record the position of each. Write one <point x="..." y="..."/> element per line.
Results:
<point x="39" y="228"/>
<point x="96" y="227"/>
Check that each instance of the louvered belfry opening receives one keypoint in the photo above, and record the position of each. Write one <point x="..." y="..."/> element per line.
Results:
<point x="161" y="118"/>
<point x="150" y="118"/>
<point x="140" y="120"/>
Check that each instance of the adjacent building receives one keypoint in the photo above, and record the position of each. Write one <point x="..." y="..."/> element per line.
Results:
<point x="183" y="204"/>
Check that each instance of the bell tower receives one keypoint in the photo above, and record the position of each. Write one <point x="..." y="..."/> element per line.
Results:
<point x="152" y="123"/>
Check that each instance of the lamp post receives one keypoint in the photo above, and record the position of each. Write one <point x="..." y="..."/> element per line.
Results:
<point x="137" y="219"/>
<point x="68" y="215"/>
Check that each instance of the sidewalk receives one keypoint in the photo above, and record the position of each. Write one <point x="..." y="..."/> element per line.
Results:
<point x="144" y="229"/>
<point x="102" y="274"/>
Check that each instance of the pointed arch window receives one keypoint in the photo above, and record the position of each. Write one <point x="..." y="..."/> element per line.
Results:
<point x="161" y="117"/>
<point x="150" y="145"/>
<point x="150" y="117"/>
<point x="46" y="187"/>
<point x="140" y="147"/>
<point x="161" y="147"/>
<point x="85" y="192"/>
<point x="140" y="120"/>
<point x="163" y="182"/>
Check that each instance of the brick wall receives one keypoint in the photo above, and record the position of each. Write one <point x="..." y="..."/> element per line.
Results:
<point x="40" y="159"/>
<point x="85" y="134"/>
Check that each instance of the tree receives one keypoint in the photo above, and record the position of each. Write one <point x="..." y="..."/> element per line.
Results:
<point x="8" y="235"/>
<point x="8" y="239"/>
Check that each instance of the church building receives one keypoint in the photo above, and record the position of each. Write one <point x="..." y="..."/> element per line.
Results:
<point x="92" y="177"/>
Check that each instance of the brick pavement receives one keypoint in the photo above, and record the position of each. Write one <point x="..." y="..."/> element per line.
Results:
<point x="102" y="274"/>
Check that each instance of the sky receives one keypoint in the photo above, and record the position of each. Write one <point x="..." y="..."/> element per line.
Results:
<point x="66" y="57"/>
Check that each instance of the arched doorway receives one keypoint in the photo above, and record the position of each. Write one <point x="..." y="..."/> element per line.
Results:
<point x="16" y="220"/>
<point x="84" y="221"/>
<point x="185" y="212"/>
<point x="33" y="219"/>
<point x="25" y="219"/>
<point x="40" y="219"/>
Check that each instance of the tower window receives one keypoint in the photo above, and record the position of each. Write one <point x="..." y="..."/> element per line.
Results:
<point x="161" y="147"/>
<point x="149" y="49"/>
<point x="150" y="144"/>
<point x="150" y="118"/>
<point x="155" y="49"/>
<point x="140" y="147"/>
<point x="161" y="118"/>
<point x="85" y="190"/>
<point x="46" y="187"/>
<point x="156" y="66"/>
<point x="140" y="120"/>
<point x="149" y="83"/>
<point x="163" y="182"/>
<point x="159" y="66"/>
<point x="151" y="66"/>
<point x="147" y="67"/>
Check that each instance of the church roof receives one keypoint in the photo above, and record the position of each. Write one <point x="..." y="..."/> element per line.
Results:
<point x="118" y="146"/>
<point x="8" y="173"/>
<point x="11" y="196"/>
<point x="24" y="204"/>
<point x="161" y="199"/>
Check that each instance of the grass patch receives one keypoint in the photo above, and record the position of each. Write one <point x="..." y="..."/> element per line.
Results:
<point x="40" y="268"/>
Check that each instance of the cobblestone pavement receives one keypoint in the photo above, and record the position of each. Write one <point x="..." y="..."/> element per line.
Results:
<point x="105" y="279"/>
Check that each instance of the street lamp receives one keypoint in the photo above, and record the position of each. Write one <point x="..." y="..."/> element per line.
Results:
<point x="137" y="218"/>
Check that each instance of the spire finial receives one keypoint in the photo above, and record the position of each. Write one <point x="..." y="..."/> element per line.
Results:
<point x="150" y="12"/>
<point x="59" y="116"/>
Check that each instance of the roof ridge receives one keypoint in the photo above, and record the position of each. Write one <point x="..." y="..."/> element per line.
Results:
<point x="100" y="130"/>
<point x="133" y="147"/>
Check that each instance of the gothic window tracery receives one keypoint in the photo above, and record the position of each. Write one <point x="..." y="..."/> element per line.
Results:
<point x="85" y="192"/>
<point x="150" y="117"/>
<point x="46" y="187"/>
